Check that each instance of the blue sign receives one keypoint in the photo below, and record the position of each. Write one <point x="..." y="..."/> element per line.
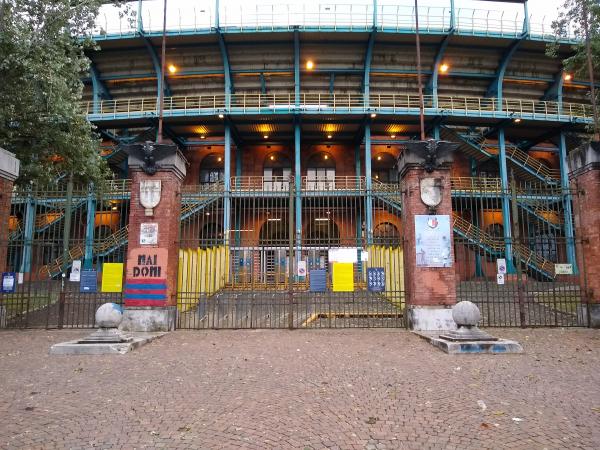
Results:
<point x="9" y="282"/>
<point x="376" y="279"/>
<point x="89" y="281"/>
<point x="318" y="280"/>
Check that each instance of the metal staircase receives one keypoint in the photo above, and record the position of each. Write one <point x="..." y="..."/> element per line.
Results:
<point x="388" y="193"/>
<point x="495" y="246"/>
<point x="55" y="215"/>
<point x="526" y="166"/>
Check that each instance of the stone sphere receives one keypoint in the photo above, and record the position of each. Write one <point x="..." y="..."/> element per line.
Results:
<point x="466" y="313"/>
<point x="109" y="315"/>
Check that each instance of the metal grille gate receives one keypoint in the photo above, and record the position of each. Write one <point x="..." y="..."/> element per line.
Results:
<point x="536" y="241"/>
<point x="245" y="278"/>
<point x="49" y="228"/>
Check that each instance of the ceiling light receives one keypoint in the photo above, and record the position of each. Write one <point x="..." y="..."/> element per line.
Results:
<point x="310" y="65"/>
<point x="221" y="116"/>
<point x="517" y="120"/>
<point x="274" y="219"/>
<point x="379" y="158"/>
<point x="329" y="136"/>
<point x="373" y="115"/>
<point x="172" y="68"/>
<point x="444" y="68"/>
<point x="325" y="156"/>
<point x="208" y="214"/>
<point x="114" y="208"/>
<point x="321" y="219"/>
<point x="393" y="136"/>
<point x="266" y="136"/>
<point x="568" y="77"/>
<point x="272" y="158"/>
<point x="219" y="159"/>
<point x="202" y="137"/>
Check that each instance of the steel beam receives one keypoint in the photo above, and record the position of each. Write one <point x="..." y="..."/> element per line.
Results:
<point x="367" y="67"/>
<point x="99" y="89"/>
<point x="369" y="199"/>
<point x="296" y="68"/>
<point x="555" y="91"/>
<point x="567" y="198"/>
<point x="227" y="185"/>
<point x="157" y="65"/>
<point x="88" y="255"/>
<point x="297" y="180"/>
<point x="495" y="87"/>
<point x="226" y="69"/>
<point x="506" y="222"/>
<point x="28" y="229"/>
<point x="432" y="83"/>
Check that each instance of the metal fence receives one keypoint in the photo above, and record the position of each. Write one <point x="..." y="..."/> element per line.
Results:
<point x="50" y="228"/>
<point x="256" y="265"/>
<point x="536" y="244"/>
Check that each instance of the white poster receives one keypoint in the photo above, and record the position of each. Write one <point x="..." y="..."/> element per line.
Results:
<point x="343" y="255"/>
<point x="301" y="268"/>
<point x="20" y="278"/>
<point x="563" y="269"/>
<point x="500" y="278"/>
<point x="433" y="241"/>
<point x="501" y="265"/>
<point x="149" y="234"/>
<point x="75" y="271"/>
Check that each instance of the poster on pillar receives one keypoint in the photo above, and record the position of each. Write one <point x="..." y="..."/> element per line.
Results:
<point x="433" y="241"/>
<point x="146" y="282"/>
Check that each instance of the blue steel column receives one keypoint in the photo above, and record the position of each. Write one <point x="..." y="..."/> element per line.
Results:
<point x="436" y="132"/>
<point x="505" y="202"/>
<point x="526" y="18"/>
<point x="369" y="206"/>
<point x="28" y="230"/>
<point x="140" y="22"/>
<point x="296" y="69"/>
<point x="476" y="221"/>
<point x="227" y="185"/>
<point x="566" y="195"/>
<point x="297" y="182"/>
<point x="452" y="15"/>
<point x="88" y="254"/>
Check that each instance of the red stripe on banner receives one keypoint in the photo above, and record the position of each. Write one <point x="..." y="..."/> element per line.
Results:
<point x="145" y="302"/>
<point x="145" y="291"/>
<point x="146" y="280"/>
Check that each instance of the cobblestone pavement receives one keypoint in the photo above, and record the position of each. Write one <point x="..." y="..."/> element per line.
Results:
<point x="306" y="389"/>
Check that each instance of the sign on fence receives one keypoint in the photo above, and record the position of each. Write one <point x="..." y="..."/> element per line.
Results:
<point x="9" y="282"/>
<point x="112" y="277"/>
<point x="89" y="281"/>
<point x="343" y="277"/>
<point x="376" y="279"/>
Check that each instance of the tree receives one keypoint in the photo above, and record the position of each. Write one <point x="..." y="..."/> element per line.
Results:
<point x="581" y="18"/>
<point x="42" y="60"/>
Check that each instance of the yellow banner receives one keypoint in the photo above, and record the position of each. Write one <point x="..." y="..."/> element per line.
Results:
<point x="112" y="277"/>
<point x="343" y="277"/>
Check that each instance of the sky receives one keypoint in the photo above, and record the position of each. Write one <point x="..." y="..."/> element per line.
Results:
<point x="186" y="13"/>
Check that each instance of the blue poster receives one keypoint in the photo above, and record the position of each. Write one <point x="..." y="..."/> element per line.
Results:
<point x="433" y="241"/>
<point x="89" y="281"/>
<point x="318" y="280"/>
<point x="9" y="282"/>
<point x="376" y="279"/>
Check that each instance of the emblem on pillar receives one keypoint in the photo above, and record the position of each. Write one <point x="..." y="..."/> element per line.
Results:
<point x="431" y="192"/>
<point x="150" y="191"/>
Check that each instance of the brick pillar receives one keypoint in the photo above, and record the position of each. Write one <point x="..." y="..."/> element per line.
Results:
<point x="151" y="269"/>
<point x="9" y="171"/>
<point x="584" y="166"/>
<point x="430" y="291"/>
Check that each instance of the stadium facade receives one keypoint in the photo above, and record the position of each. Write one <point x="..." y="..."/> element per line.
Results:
<point x="292" y="121"/>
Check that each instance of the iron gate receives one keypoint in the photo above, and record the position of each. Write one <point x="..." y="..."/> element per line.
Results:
<point x="247" y="259"/>
<point x="542" y="285"/>
<point x="50" y="227"/>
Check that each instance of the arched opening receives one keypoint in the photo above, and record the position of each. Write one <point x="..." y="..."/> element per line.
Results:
<point x="322" y="232"/>
<point x="212" y="169"/>
<point x="273" y="240"/>
<point x="386" y="232"/>
<point x="277" y="169"/>
<point x="211" y="234"/>
<point x="383" y="168"/>
<point x="320" y="172"/>
<point x="489" y="169"/>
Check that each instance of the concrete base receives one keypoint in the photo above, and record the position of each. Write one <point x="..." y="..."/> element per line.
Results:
<point x="149" y="319"/>
<point x="2" y="316"/>
<point x="422" y="318"/>
<point x="74" y="348"/>
<point x="452" y="347"/>
<point x="594" y="311"/>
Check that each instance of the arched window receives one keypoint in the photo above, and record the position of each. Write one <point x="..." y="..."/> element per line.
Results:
<point x="322" y="231"/>
<point x="386" y="232"/>
<point x="320" y="172"/>
<point x="383" y="168"/>
<point x="212" y="169"/>
<point x="277" y="169"/>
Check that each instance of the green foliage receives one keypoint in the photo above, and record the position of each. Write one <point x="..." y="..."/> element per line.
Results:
<point x="42" y="60"/>
<point x="573" y="17"/>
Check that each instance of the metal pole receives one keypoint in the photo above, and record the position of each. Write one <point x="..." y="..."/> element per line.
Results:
<point x="419" y="78"/>
<point x="161" y="94"/>
<point x="517" y="237"/>
<point x="588" y="49"/>
<point x="291" y="256"/>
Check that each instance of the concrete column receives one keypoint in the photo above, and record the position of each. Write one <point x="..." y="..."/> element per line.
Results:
<point x="430" y="291"/>
<point x="9" y="171"/>
<point x="584" y="165"/>
<point x="151" y="279"/>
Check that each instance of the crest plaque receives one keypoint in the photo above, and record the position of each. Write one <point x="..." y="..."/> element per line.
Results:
<point x="150" y="191"/>
<point x="431" y="191"/>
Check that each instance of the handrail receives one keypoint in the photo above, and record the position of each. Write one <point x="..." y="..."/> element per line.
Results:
<point x="326" y="102"/>
<point x="189" y="18"/>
